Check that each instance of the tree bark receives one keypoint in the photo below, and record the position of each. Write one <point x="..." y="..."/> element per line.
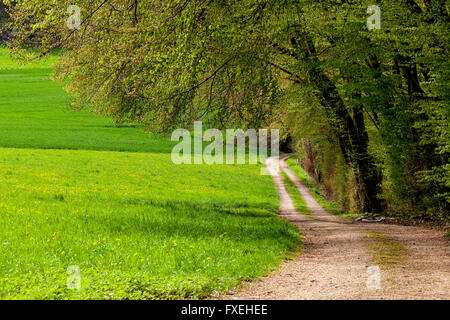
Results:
<point x="353" y="137"/>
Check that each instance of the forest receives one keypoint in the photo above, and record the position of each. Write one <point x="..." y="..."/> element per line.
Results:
<point x="92" y="90"/>
<point x="366" y="110"/>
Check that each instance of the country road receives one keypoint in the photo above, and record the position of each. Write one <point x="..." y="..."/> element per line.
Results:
<point x="339" y="258"/>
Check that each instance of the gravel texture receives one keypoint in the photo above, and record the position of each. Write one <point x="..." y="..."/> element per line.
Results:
<point x="337" y="253"/>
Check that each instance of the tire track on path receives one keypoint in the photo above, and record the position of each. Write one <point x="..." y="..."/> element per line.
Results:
<point x="336" y="256"/>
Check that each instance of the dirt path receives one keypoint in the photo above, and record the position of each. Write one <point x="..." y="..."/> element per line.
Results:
<point x="337" y="254"/>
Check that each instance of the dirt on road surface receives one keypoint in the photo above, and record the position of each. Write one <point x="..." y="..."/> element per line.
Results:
<point x="348" y="260"/>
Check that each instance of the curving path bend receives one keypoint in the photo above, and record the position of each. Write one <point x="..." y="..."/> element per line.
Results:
<point x="336" y="258"/>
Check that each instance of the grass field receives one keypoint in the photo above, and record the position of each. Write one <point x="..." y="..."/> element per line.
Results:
<point x="35" y="114"/>
<point x="135" y="224"/>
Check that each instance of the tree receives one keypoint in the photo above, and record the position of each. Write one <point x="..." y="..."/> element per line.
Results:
<point x="379" y="94"/>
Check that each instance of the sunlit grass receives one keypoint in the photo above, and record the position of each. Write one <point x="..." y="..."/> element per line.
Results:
<point x="130" y="218"/>
<point x="135" y="224"/>
<point x="35" y="113"/>
<point x="9" y="62"/>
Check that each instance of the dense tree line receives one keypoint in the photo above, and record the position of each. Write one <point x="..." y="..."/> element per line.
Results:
<point x="3" y="11"/>
<point x="3" y="20"/>
<point x="367" y="110"/>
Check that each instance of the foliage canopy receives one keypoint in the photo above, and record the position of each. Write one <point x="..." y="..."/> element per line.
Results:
<point x="367" y="109"/>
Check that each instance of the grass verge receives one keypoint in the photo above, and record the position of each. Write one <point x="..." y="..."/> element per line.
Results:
<point x="299" y="202"/>
<point x="386" y="252"/>
<point x="332" y="207"/>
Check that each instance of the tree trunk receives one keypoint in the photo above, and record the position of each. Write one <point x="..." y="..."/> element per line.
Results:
<point x="353" y="137"/>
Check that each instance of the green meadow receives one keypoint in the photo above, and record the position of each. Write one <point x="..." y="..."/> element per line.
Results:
<point x="35" y="114"/>
<point x="76" y="190"/>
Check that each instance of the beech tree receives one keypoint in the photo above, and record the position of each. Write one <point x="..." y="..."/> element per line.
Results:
<point x="375" y="102"/>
